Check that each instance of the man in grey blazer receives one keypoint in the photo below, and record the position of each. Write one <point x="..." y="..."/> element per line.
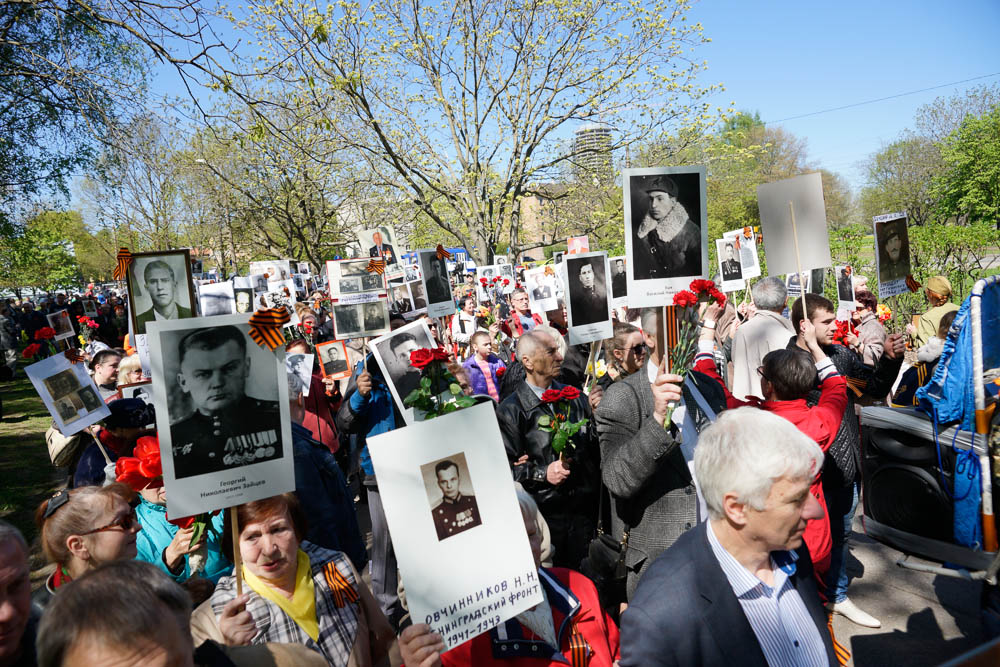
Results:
<point x="643" y="464"/>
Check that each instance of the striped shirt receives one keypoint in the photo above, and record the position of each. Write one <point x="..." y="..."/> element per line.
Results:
<point x="785" y="631"/>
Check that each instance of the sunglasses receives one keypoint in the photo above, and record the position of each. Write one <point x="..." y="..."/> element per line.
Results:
<point x="126" y="522"/>
<point x="638" y="350"/>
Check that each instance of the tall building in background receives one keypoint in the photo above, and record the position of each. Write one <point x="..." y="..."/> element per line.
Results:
<point x="592" y="152"/>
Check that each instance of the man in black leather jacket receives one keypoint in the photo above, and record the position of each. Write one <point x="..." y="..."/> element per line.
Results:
<point x="566" y="491"/>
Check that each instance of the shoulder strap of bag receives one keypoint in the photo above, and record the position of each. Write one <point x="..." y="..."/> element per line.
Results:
<point x="600" y="517"/>
<point x="702" y="403"/>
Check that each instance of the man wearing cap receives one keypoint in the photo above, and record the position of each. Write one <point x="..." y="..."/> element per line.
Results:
<point x="938" y="292"/>
<point x="666" y="242"/>
<point x="228" y="428"/>
<point x="894" y="254"/>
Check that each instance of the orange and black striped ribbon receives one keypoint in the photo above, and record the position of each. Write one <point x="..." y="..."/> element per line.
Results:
<point x="376" y="266"/>
<point x="265" y="327"/>
<point x="124" y="259"/>
<point x="912" y="283"/>
<point x="579" y="649"/>
<point x="839" y="650"/>
<point x="857" y="386"/>
<point x="74" y="355"/>
<point x="343" y="592"/>
<point x="442" y="253"/>
<point x="670" y="333"/>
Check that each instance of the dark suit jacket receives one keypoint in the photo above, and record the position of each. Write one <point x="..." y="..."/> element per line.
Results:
<point x="685" y="612"/>
<point x="144" y="318"/>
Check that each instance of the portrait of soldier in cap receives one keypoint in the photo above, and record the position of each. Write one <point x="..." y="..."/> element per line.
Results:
<point x="666" y="237"/>
<point x="893" y="250"/>
<point x="453" y="511"/>
<point x="228" y="428"/>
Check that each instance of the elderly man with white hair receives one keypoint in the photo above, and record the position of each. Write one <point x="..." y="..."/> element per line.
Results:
<point x="764" y="332"/>
<point x="738" y="589"/>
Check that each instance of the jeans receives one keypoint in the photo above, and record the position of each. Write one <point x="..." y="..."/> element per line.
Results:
<point x="840" y="506"/>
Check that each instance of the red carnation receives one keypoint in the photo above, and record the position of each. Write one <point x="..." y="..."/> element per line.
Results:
<point x="147" y="450"/>
<point x="45" y="333"/>
<point x="551" y="395"/>
<point x="91" y="323"/>
<point x="183" y="522"/>
<point x="506" y="282"/>
<point x="701" y="286"/>
<point x="500" y="372"/>
<point x="420" y="358"/>
<point x="483" y="281"/>
<point x="517" y="285"/>
<point x="31" y="350"/>
<point x="719" y="297"/>
<point x="685" y="298"/>
<point x="128" y="469"/>
<point x="570" y="393"/>
<point x="496" y="280"/>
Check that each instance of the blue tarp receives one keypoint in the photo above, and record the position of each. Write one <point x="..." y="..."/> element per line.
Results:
<point x="948" y="395"/>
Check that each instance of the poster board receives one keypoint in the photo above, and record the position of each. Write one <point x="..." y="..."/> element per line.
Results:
<point x="729" y="266"/>
<point x="805" y="193"/>
<point x="217" y="299"/>
<point x="274" y="270"/>
<point x="796" y="283"/>
<point x="668" y="202"/>
<point x="348" y="277"/>
<point x="892" y="253"/>
<point x="392" y="354"/>
<point x="456" y="574"/>
<point x="543" y="289"/>
<point x="437" y="287"/>
<point x="298" y="369"/>
<point x="60" y="323"/>
<point x="588" y="304"/>
<point x="159" y="286"/>
<point x="333" y="359"/>
<point x="619" y="281"/>
<point x="746" y="243"/>
<point x="381" y="242"/>
<point x="68" y="392"/>
<point x="220" y="446"/>
<point x="577" y="245"/>
<point x="845" y="287"/>
<point x="360" y="320"/>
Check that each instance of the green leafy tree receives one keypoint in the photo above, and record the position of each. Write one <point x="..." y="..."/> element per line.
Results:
<point x="968" y="185"/>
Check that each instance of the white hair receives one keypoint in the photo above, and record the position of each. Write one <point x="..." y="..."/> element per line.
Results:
<point x="770" y="294"/>
<point x="556" y="336"/>
<point x="745" y="451"/>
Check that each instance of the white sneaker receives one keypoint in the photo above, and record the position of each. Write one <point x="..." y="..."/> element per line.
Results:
<point x="850" y="611"/>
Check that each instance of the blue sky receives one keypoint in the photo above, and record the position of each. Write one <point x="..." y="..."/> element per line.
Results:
<point x="785" y="58"/>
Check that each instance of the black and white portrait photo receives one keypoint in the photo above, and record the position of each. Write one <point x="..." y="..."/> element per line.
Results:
<point x="333" y="359"/>
<point x="399" y="299"/>
<point x="349" y="285"/>
<point x="360" y="319"/>
<point x="141" y="390"/>
<point x="351" y="276"/>
<point x="451" y="495"/>
<point x="299" y="369"/>
<point x="392" y="353"/>
<point x="282" y="295"/>
<point x="745" y="243"/>
<point x="259" y="283"/>
<point x="436" y="285"/>
<point x="489" y="271"/>
<point x="276" y="269"/>
<point x="243" y="299"/>
<point x="845" y="286"/>
<point x="304" y="268"/>
<point x="196" y="266"/>
<point x="90" y="307"/>
<point x="619" y="278"/>
<point x="61" y="324"/>
<point x="412" y="272"/>
<point x="373" y="282"/>
<point x="68" y="392"/>
<point x="506" y="271"/>
<point x="589" y="308"/>
<point x="729" y="267"/>
<point x="893" y="248"/>
<point x="159" y="288"/>
<point x="222" y="413"/>
<point x="217" y="299"/>
<point x="796" y="284"/>
<point x="381" y="242"/>
<point x="417" y="296"/>
<point x="542" y="289"/>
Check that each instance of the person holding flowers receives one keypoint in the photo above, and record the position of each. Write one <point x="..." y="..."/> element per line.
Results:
<point x="550" y="424"/>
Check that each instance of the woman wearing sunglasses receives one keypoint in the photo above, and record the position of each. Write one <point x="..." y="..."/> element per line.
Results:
<point x="625" y="352"/>
<point x="81" y="529"/>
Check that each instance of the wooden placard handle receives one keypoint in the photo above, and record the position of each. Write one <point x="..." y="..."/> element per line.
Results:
<point x="237" y="559"/>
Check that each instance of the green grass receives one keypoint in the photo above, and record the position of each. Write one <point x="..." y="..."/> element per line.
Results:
<point x="27" y="477"/>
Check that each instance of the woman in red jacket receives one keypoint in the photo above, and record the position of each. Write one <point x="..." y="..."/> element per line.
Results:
<point x="570" y="615"/>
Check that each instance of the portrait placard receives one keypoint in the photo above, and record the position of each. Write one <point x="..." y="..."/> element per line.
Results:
<point x="619" y="281"/>
<point x="243" y="301"/>
<point x="730" y="267"/>
<point x="68" y="392"/>
<point x="196" y="266"/>
<point x="142" y="390"/>
<point x="500" y="259"/>
<point x="805" y="192"/>
<point x="281" y="294"/>
<point x="90" y="307"/>
<point x="577" y="245"/>
<point x="507" y="271"/>
<point x="392" y="353"/>
<point x="543" y="294"/>
<point x="892" y="253"/>
<point x="360" y="320"/>
<point x="417" y="298"/>
<point x="381" y="242"/>
<point x="745" y="242"/>
<point x="845" y="287"/>
<point x="274" y="270"/>
<point x="222" y="414"/>
<point x="298" y="368"/>
<point x="60" y="323"/>
<point x="488" y="271"/>
<point x="160" y="287"/>
<point x="666" y="232"/>
<point x="217" y="299"/>
<point x="437" y="287"/>
<point x="456" y="524"/>
<point x="351" y="276"/>
<point x="796" y="284"/>
<point x="399" y="299"/>
<point x="333" y="359"/>
<point x="411" y="272"/>
<point x="589" y="304"/>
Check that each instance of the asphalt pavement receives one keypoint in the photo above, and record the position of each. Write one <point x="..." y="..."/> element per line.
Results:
<point x="926" y="618"/>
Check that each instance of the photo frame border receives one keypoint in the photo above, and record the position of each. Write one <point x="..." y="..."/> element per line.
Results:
<point x="195" y="304"/>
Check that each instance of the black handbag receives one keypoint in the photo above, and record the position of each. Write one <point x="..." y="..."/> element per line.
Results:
<point x="605" y="562"/>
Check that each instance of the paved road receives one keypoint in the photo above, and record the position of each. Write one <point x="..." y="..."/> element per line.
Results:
<point x="926" y="618"/>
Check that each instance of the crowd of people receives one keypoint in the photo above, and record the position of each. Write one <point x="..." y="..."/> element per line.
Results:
<point x="729" y="493"/>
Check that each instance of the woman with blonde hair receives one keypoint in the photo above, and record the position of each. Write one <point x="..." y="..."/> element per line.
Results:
<point x="129" y="370"/>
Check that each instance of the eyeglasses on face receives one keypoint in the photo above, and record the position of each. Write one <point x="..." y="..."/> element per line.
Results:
<point x="638" y="350"/>
<point x="760" y="372"/>
<point x="126" y="522"/>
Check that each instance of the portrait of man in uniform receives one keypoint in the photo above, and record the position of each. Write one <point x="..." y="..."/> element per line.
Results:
<point x="382" y="245"/>
<point x="227" y="428"/>
<point x="730" y="266"/>
<point x="618" y="278"/>
<point x="160" y="288"/>
<point x="453" y="502"/>
<point x="436" y="272"/>
<point x="893" y="250"/>
<point x="845" y="284"/>
<point x="333" y="358"/>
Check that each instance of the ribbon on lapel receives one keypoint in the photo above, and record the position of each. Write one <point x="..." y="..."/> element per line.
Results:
<point x="265" y="327"/>
<point x="912" y="284"/>
<point x="670" y="333"/>
<point x="124" y="259"/>
<point x="579" y="649"/>
<point x="343" y="592"/>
